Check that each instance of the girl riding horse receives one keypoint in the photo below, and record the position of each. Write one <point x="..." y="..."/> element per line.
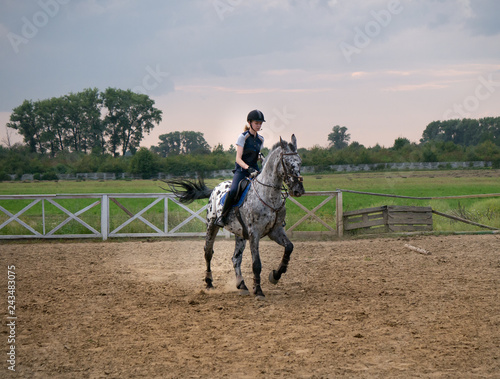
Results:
<point x="248" y="148"/>
<point x="262" y="213"/>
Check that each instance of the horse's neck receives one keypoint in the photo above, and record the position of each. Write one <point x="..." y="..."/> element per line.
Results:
<point x="270" y="172"/>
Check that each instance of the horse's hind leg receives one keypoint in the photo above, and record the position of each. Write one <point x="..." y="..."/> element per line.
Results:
<point x="237" y="258"/>
<point x="280" y="237"/>
<point x="212" y="230"/>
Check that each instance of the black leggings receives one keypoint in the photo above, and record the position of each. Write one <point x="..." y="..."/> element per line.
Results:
<point x="237" y="178"/>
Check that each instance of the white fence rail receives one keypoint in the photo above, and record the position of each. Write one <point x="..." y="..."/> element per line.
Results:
<point x="99" y="216"/>
<point x="159" y="215"/>
<point x="104" y="223"/>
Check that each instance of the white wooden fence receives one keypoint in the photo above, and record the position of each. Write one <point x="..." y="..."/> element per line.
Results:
<point x="33" y="220"/>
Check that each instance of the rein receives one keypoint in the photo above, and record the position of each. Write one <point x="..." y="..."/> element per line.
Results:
<point x="284" y="193"/>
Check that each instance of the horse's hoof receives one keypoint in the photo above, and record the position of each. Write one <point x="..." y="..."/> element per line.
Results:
<point x="243" y="288"/>
<point x="209" y="286"/>
<point x="272" y="279"/>
<point x="259" y="295"/>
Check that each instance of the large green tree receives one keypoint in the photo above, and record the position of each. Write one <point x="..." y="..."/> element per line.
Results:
<point x="50" y="117"/>
<point x="186" y="142"/>
<point x="77" y="123"/>
<point x="23" y="119"/>
<point x="74" y="130"/>
<point x="339" y="138"/>
<point x="128" y="116"/>
<point x="91" y="124"/>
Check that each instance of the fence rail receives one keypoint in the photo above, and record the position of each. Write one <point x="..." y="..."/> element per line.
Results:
<point x="35" y="222"/>
<point x="115" y="215"/>
<point x="102" y="227"/>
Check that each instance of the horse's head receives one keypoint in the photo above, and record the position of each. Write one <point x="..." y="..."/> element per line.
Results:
<point x="291" y="163"/>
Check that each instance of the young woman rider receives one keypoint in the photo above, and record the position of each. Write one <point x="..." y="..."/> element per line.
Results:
<point x="248" y="148"/>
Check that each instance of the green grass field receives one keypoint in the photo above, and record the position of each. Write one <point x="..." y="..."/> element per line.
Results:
<point x="417" y="184"/>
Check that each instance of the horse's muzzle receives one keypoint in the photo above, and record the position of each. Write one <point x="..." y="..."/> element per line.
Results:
<point x="297" y="189"/>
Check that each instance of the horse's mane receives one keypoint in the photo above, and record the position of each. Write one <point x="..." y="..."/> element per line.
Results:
<point x="276" y="146"/>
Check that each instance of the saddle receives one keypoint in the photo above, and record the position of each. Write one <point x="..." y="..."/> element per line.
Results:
<point x="241" y="193"/>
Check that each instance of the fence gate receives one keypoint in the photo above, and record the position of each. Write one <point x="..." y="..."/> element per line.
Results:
<point x="390" y="218"/>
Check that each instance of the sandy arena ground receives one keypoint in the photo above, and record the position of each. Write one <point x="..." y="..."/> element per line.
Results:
<point x="367" y="308"/>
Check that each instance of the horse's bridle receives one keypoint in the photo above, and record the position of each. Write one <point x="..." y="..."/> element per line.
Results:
<point x="284" y="194"/>
<point x="299" y="178"/>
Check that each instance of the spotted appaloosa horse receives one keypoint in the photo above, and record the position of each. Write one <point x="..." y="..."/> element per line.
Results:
<point x="262" y="212"/>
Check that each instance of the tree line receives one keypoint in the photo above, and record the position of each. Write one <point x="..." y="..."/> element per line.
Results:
<point x="113" y="121"/>
<point x="147" y="162"/>
<point x="442" y="141"/>
<point x="464" y="132"/>
<point x="461" y="132"/>
<point x="92" y="131"/>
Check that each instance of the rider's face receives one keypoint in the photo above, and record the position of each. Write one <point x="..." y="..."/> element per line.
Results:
<point x="256" y="125"/>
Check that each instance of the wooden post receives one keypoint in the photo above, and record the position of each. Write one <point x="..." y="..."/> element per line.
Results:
<point x="165" y="215"/>
<point x="104" y="217"/>
<point x="340" y="214"/>
<point x="43" y="216"/>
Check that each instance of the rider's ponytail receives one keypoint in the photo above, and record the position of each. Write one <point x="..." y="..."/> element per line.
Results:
<point x="246" y="128"/>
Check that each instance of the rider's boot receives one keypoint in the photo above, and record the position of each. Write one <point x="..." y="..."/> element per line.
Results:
<point x="222" y="219"/>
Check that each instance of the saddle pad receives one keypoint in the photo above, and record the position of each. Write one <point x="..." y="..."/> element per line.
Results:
<point x="238" y="201"/>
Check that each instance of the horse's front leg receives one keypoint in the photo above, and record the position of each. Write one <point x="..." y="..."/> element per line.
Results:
<point x="256" y="265"/>
<point x="237" y="258"/>
<point x="279" y="236"/>
<point x="212" y="230"/>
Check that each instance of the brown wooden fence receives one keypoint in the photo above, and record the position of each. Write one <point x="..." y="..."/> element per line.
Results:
<point x="389" y="218"/>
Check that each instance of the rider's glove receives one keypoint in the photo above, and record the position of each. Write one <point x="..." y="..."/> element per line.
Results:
<point x="253" y="172"/>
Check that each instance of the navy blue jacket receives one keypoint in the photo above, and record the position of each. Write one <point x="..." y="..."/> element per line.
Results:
<point x="251" y="149"/>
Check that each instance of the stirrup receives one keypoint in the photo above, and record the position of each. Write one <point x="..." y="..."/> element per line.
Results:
<point x="219" y="221"/>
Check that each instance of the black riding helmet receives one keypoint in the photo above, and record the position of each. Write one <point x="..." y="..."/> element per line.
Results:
<point x="255" y="115"/>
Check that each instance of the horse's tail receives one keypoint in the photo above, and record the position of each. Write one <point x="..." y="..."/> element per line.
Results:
<point x="187" y="190"/>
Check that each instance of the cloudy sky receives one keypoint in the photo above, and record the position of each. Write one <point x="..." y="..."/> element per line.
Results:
<point x="382" y="68"/>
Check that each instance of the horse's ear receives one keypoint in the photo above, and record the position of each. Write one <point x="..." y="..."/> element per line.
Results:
<point x="294" y="142"/>
<point x="283" y="144"/>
